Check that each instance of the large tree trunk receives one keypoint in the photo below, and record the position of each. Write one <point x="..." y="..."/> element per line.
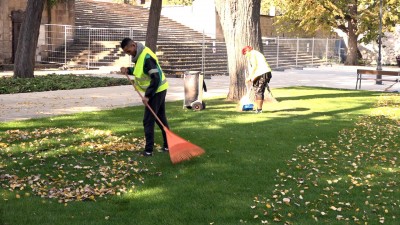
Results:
<point x="153" y="24"/>
<point x="240" y="22"/>
<point x="352" y="48"/>
<point x="28" y="38"/>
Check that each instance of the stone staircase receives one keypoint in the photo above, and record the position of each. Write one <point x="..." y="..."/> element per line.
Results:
<point x="179" y="48"/>
<point x="287" y="57"/>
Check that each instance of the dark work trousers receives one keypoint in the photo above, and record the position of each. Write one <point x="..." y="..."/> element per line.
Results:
<point x="157" y="103"/>
<point x="259" y="85"/>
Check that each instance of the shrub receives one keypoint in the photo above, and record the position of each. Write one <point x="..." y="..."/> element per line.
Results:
<point x="53" y="82"/>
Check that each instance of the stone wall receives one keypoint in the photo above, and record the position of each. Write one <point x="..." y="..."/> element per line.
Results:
<point x="63" y="13"/>
<point x="6" y="7"/>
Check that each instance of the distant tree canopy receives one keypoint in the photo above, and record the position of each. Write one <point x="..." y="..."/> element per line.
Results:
<point x="357" y="19"/>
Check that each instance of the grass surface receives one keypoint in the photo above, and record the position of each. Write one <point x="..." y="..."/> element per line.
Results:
<point x="248" y="164"/>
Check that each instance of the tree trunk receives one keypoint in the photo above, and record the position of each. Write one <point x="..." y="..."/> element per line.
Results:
<point x="352" y="48"/>
<point x="152" y="26"/>
<point x="240" y="22"/>
<point x="28" y="38"/>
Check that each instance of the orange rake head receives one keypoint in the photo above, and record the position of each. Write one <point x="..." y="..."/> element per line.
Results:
<point x="180" y="149"/>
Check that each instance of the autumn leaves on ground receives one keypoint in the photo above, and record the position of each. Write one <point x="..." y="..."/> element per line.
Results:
<point x="348" y="175"/>
<point x="82" y="164"/>
<point x="353" y="178"/>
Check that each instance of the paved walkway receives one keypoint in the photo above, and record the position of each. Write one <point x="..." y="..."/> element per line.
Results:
<point x="43" y="104"/>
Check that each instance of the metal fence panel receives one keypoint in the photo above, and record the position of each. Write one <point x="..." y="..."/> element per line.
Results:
<point x="73" y="46"/>
<point x="292" y="52"/>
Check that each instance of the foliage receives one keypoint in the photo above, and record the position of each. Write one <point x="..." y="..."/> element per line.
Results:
<point x="358" y="20"/>
<point x="265" y="6"/>
<point x="52" y="82"/>
<point x="315" y="15"/>
<point x="243" y="152"/>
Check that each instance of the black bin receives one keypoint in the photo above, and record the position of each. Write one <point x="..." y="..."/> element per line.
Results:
<point x="193" y="87"/>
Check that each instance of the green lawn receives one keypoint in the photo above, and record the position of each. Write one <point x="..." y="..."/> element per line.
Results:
<point x="84" y="169"/>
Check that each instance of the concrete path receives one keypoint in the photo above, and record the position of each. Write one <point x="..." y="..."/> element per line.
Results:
<point x="42" y="104"/>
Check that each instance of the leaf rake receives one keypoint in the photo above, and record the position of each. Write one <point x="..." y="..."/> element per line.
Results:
<point x="179" y="149"/>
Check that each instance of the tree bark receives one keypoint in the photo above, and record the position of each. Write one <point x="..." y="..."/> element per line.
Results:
<point x="28" y="38"/>
<point x="153" y="24"/>
<point x="240" y="22"/>
<point x="352" y="48"/>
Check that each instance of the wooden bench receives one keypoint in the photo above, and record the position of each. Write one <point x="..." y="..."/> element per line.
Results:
<point x="370" y="73"/>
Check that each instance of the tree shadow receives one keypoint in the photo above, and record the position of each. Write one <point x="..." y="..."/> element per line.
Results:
<point x="298" y="109"/>
<point x="346" y="93"/>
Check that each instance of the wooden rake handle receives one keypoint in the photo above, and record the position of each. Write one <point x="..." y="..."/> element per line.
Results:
<point x="146" y="104"/>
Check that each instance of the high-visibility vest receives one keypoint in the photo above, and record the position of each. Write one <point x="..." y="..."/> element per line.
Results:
<point x="142" y="80"/>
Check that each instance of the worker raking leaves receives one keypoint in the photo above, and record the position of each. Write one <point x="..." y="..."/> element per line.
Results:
<point x="149" y="79"/>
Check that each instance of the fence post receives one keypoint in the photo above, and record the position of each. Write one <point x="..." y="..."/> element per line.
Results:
<point x="88" y="61"/>
<point x="203" y="54"/>
<point x="131" y="36"/>
<point x="65" y="45"/>
<point x="297" y="50"/>
<point x="326" y="50"/>
<point x="312" y="51"/>
<point x="277" y="53"/>
<point x="340" y="48"/>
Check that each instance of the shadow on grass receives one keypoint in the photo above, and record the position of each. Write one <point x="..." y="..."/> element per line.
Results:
<point x="290" y="110"/>
<point x="345" y="94"/>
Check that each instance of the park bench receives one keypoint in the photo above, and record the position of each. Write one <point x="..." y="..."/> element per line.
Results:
<point x="372" y="75"/>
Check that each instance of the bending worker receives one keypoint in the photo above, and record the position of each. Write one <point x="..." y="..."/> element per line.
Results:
<point x="150" y="80"/>
<point x="259" y="73"/>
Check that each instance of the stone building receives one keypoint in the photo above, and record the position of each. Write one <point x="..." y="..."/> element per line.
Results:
<point x="11" y="17"/>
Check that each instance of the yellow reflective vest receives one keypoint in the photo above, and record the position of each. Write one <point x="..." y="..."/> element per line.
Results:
<point x="142" y="80"/>
<point x="257" y="64"/>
